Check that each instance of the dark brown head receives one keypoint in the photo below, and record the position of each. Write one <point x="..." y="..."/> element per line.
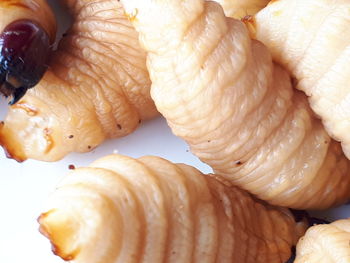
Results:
<point x="24" y="52"/>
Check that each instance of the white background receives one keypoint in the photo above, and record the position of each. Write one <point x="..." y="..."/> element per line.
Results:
<point x="24" y="187"/>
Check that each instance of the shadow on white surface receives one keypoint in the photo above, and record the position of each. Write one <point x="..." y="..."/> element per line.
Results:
<point x="24" y="187"/>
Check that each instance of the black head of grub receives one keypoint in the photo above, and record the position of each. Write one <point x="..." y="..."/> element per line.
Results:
<point x="24" y="51"/>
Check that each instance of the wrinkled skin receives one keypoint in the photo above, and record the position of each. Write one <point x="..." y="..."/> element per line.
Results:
<point x="311" y="38"/>
<point x="153" y="211"/>
<point x="97" y="87"/>
<point x="325" y="244"/>
<point x="220" y="91"/>
<point x="241" y="8"/>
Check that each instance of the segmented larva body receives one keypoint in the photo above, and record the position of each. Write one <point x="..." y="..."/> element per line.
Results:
<point x="150" y="210"/>
<point x="325" y="244"/>
<point x="220" y="91"/>
<point x="311" y="38"/>
<point x="97" y="87"/>
<point x="239" y="9"/>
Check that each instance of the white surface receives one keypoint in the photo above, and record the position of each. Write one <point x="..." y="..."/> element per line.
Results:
<point x="24" y="187"/>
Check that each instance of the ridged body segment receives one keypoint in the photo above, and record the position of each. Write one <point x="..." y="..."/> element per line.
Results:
<point x="147" y="210"/>
<point x="220" y="91"/>
<point x="325" y="244"/>
<point x="97" y="87"/>
<point x="312" y="40"/>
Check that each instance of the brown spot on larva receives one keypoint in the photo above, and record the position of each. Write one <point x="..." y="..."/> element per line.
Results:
<point x="209" y="141"/>
<point x="2" y="123"/>
<point x="71" y="167"/>
<point x="139" y="121"/>
<point x="238" y="162"/>
<point x="49" y="140"/>
<point x="89" y="147"/>
<point x="29" y="109"/>
<point x="250" y="23"/>
<point x="119" y="126"/>
<point x="71" y="136"/>
<point x="325" y="142"/>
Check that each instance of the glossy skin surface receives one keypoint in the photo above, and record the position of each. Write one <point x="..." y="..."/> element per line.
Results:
<point x="97" y="87"/>
<point x="27" y="30"/>
<point x="24" y="53"/>
<point x="325" y="244"/>
<point x="149" y="210"/>
<point x="220" y="91"/>
<point x="312" y="40"/>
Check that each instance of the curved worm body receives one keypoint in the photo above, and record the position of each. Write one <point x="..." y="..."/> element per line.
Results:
<point x="312" y="40"/>
<point x="96" y="88"/>
<point x="220" y="91"/>
<point x="325" y="244"/>
<point x="150" y="210"/>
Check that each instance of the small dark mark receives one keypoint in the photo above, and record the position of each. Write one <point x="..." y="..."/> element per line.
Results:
<point x="139" y="121"/>
<point x="89" y="147"/>
<point x="119" y="126"/>
<point x="238" y="162"/>
<point x="64" y="35"/>
<point x="208" y="140"/>
<point x="325" y="142"/>
<point x="294" y="82"/>
<point x="71" y="136"/>
<point x="71" y="167"/>
<point x="2" y="123"/>
<point x="299" y="215"/>
<point x="173" y="252"/>
<point x="187" y="151"/>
